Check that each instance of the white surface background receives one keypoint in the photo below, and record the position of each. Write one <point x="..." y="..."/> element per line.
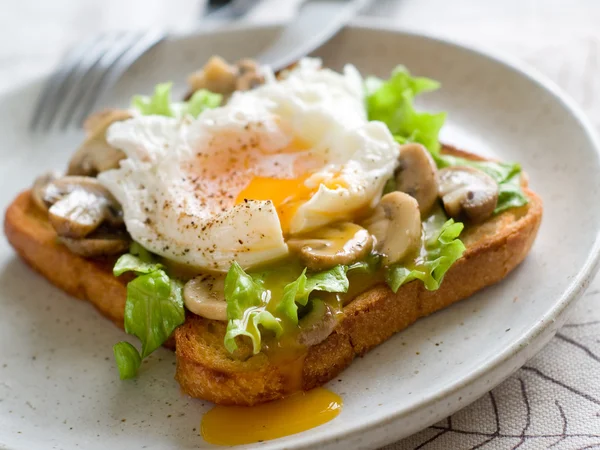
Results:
<point x="554" y="402"/>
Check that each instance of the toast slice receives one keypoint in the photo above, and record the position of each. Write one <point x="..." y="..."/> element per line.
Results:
<point x="204" y="367"/>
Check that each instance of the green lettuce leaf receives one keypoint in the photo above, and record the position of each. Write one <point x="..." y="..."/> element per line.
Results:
<point x="440" y="249"/>
<point x="136" y="249"/>
<point x="332" y="280"/>
<point x="201" y="100"/>
<point x="128" y="359"/>
<point x="297" y="292"/>
<point x="160" y="102"/>
<point x="371" y="264"/>
<point x="293" y="294"/>
<point x="138" y="260"/>
<point x="507" y="175"/>
<point x="255" y="300"/>
<point x="391" y="101"/>
<point x="153" y="309"/>
<point x="131" y="263"/>
<point x="246" y="309"/>
<point x="248" y="326"/>
<point x="241" y="292"/>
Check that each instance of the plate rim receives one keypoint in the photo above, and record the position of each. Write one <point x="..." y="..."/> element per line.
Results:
<point x="541" y="332"/>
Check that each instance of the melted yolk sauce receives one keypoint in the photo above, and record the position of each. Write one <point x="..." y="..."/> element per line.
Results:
<point x="235" y="425"/>
<point x="274" y="277"/>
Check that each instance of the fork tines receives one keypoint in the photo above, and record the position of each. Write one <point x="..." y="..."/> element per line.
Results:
<point x="85" y="73"/>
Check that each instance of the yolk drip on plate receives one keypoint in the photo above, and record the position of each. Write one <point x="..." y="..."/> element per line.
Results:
<point x="235" y="425"/>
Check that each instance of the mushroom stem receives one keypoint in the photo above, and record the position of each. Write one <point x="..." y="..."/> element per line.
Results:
<point x="97" y="244"/>
<point x="416" y="176"/>
<point x="205" y="295"/>
<point x="396" y="225"/>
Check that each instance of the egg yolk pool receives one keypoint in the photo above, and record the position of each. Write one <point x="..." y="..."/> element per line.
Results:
<point x="235" y="425"/>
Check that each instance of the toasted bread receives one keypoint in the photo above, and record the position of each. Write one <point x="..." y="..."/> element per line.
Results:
<point x="204" y="367"/>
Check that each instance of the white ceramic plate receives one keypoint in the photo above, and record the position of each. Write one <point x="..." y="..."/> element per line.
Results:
<point x="58" y="384"/>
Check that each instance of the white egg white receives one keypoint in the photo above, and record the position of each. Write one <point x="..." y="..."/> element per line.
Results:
<point x="181" y="177"/>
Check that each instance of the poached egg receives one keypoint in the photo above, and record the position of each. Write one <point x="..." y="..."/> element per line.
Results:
<point x="286" y="158"/>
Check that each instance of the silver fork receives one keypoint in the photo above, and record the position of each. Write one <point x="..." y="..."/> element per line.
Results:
<point x="92" y="67"/>
<point x="85" y="73"/>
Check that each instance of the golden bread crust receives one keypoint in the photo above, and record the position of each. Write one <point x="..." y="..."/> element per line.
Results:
<point x="204" y="367"/>
<point x="205" y="370"/>
<point x="31" y="235"/>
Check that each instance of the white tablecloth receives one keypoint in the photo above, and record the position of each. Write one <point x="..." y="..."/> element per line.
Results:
<point x="552" y="402"/>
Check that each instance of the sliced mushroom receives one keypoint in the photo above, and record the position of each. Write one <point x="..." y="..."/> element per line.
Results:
<point x="416" y="176"/>
<point x="99" y="119"/>
<point x="96" y="155"/>
<point x="468" y="192"/>
<point x="341" y="243"/>
<point x="98" y="244"/>
<point x="39" y="185"/>
<point x="84" y="214"/>
<point x="247" y="65"/>
<point x="317" y="325"/>
<point x="223" y="78"/>
<point x="78" y="213"/>
<point x="79" y="205"/>
<point x="249" y="75"/>
<point x="205" y="295"/>
<point x="216" y="76"/>
<point x="396" y="225"/>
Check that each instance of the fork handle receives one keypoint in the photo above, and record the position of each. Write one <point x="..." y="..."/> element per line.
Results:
<point x="317" y="21"/>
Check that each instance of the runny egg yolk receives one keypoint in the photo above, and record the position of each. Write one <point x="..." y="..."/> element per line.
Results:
<point x="286" y="194"/>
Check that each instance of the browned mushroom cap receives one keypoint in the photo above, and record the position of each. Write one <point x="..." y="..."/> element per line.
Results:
<point x="341" y="243"/>
<point x="95" y="155"/>
<point x="99" y="243"/>
<point x="39" y="185"/>
<point x="317" y="325"/>
<point x="223" y="78"/>
<point x="205" y="295"/>
<point x="216" y="76"/>
<point x="416" y="175"/>
<point x="249" y="75"/>
<point x="246" y="65"/>
<point x="396" y="225"/>
<point x="99" y="119"/>
<point x="79" y="205"/>
<point x="468" y="192"/>
<point x="77" y="214"/>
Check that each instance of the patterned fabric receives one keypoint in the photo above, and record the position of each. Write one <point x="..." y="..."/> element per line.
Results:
<point x="552" y="402"/>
